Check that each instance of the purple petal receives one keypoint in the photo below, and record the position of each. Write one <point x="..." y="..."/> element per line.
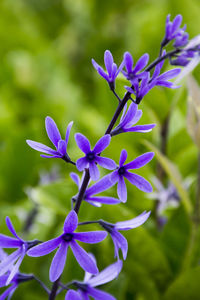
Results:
<point x="108" y="60"/>
<point x="15" y="269"/>
<point x="9" y="261"/>
<point x="129" y="89"/>
<point x="93" y="203"/>
<point x="140" y="161"/>
<point x="83" y="294"/>
<point x="52" y="131"/>
<point x="82" y="163"/>
<point x="99" y="295"/>
<point x="106" y="163"/>
<point x="176" y="23"/>
<point x="128" y="60"/>
<point x="141" y="183"/>
<point x="62" y="147"/>
<point x="141" y="63"/>
<point x="103" y="73"/>
<point x="68" y="131"/>
<point x="140" y="128"/>
<point x="8" y="292"/>
<point x="102" y="144"/>
<point x="102" y="185"/>
<point x="120" y="242"/>
<point x="45" y="248"/>
<point x="133" y="223"/>
<point x="134" y="120"/>
<point x="75" y="178"/>
<point x="71" y="222"/>
<point x="114" y="72"/>
<point x="103" y="200"/>
<point x="8" y="242"/>
<point x="123" y="113"/>
<point x="114" y="177"/>
<point x="41" y="147"/>
<point x="3" y="280"/>
<point x="94" y="171"/>
<point x="52" y="156"/>
<point x="123" y="157"/>
<point x="82" y="142"/>
<point x="3" y="254"/>
<point x="169" y="74"/>
<point x="72" y="295"/>
<point x="83" y="258"/>
<point x="130" y="114"/>
<point x="95" y="64"/>
<point x="108" y="274"/>
<point x="121" y="189"/>
<point x="11" y="228"/>
<point x="90" y="237"/>
<point x="58" y="262"/>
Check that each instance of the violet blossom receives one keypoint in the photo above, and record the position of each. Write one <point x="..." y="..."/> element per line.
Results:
<point x="100" y="186"/>
<point x="128" y="119"/>
<point x="173" y="31"/>
<point x="92" y="156"/>
<point x="87" y="288"/>
<point x="55" y="137"/>
<point x="68" y="239"/>
<point x="111" y="68"/>
<point x="15" y="259"/>
<point x="123" y="172"/>
<point x="119" y="240"/>
<point x="132" y="73"/>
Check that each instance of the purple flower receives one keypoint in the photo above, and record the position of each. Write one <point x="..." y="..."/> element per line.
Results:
<point x="140" y="87"/>
<point x="118" y="239"/>
<point x="123" y="172"/>
<point x="111" y="68"/>
<point x="91" y="156"/>
<point x="87" y="288"/>
<point x="17" y="279"/>
<point x="102" y="185"/>
<point x="132" y="73"/>
<point x="173" y="31"/>
<point x="162" y="80"/>
<point x="13" y="261"/>
<point x="68" y="239"/>
<point x="55" y="138"/>
<point x="129" y="118"/>
<point x="183" y="59"/>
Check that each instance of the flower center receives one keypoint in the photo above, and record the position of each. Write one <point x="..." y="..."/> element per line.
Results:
<point x="67" y="237"/>
<point x="90" y="156"/>
<point x="121" y="171"/>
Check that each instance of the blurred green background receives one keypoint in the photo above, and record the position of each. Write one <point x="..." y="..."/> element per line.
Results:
<point x="46" y="49"/>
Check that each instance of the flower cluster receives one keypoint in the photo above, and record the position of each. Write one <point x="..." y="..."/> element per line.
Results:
<point x="142" y="78"/>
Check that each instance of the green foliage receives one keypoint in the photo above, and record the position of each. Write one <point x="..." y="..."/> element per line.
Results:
<point x="46" y="50"/>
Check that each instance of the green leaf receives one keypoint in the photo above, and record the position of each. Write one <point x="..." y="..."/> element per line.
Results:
<point x="174" y="175"/>
<point x="185" y="287"/>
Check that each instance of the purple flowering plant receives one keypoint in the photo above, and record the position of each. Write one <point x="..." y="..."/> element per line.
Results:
<point x="142" y="78"/>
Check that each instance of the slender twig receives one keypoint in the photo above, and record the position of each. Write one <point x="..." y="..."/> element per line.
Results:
<point x="119" y="99"/>
<point x="54" y="289"/>
<point x="42" y="284"/>
<point x="89" y="222"/>
<point x="82" y="190"/>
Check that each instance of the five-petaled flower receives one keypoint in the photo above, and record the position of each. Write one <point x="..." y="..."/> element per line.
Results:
<point x="111" y="68"/>
<point x="118" y="239"/>
<point x="132" y="73"/>
<point x="87" y="287"/>
<point x="128" y="119"/>
<point x="55" y="137"/>
<point x="68" y="239"/>
<point x="100" y="186"/>
<point x="92" y="156"/>
<point x="13" y="260"/>
<point x="123" y="172"/>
